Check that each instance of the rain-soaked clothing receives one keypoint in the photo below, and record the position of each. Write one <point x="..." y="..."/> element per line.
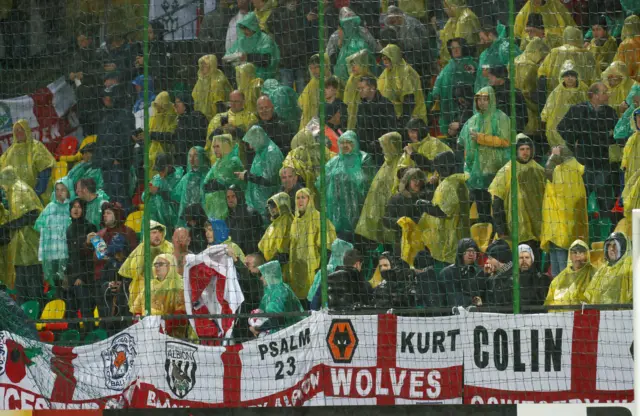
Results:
<point x="629" y="49"/>
<point x="167" y="295"/>
<point x="211" y="88"/>
<point x="260" y="45"/>
<point x="161" y="207"/>
<point x="285" y="102"/>
<point x="220" y="177"/>
<point x="604" y="53"/>
<point x="304" y="158"/>
<point x="555" y="17"/>
<point x="249" y="85"/>
<point x="309" y="100"/>
<point x="338" y="250"/>
<point x="359" y="65"/>
<point x="568" y="287"/>
<point x="613" y="282"/>
<point x="278" y="297"/>
<point x="352" y="42"/>
<point x="164" y="120"/>
<point x="189" y="190"/>
<point x="464" y="24"/>
<point x="526" y="80"/>
<point x="277" y="238"/>
<point x="618" y="93"/>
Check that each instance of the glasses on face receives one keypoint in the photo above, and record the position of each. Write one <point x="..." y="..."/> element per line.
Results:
<point x="160" y="264"/>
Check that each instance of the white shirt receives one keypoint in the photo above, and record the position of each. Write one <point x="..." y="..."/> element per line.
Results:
<point x="232" y="32"/>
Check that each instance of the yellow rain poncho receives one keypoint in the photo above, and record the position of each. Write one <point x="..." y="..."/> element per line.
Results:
<point x="249" y="85"/>
<point x="526" y="80"/>
<point x="550" y="40"/>
<point x="359" y="66"/>
<point x="6" y="255"/>
<point x="629" y="49"/>
<point x="613" y="282"/>
<point x="567" y="288"/>
<point x="463" y="24"/>
<point x="276" y="238"/>
<point x="399" y="81"/>
<point x="211" y="88"/>
<point x="411" y="238"/>
<point x="243" y="120"/>
<point x="583" y="60"/>
<point x="414" y="8"/>
<point x="264" y="13"/>
<point x="133" y="266"/>
<point x="167" y="295"/>
<point x="304" y="252"/>
<point x="604" y="54"/>
<point x="555" y="16"/>
<point x="164" y="120"/>
<point x="631" y="153"/>
<point x="560" y="101"/>
<point x="370" y="222"/>
<point x="531" y="183"/>
<point x="428" y="147"/>
<point x="309" y="100"/>
<point x="618" y="93"/>
<point x="304" y="158"/>
<point x="564" y="210"/>
<point x="22" y="199"/>
<point x="28" y="158"/>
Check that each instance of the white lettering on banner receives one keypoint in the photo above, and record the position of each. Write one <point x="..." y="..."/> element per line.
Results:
<point x="437" y="344"/>
<point x="360" y="382"/>
<point x="15" y="398"/>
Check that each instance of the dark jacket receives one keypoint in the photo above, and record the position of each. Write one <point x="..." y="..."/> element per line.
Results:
<point x="495" y="289"/>
<point x="292" y="192"/>
<point x="589" y="133"/>
<point x="397" y="290"/>
<point x="245" y="225"/>
<point x="289" y="32"/>
<point x="534" y="287"/>
<point x="214" y="28"/>
<point x="347" y="289"/>
<point x="375" y="118"/>
<point x="456" y="282"/>
<point x="279" y="132"/>
<point x="403" y="204"/>
<point x="503" y="103"/>
<point x="80" y="264"/>
<point x="114" y="134"/>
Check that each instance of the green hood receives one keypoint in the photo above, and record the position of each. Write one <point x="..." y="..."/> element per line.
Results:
<point x="68" y="183"/>
<point x="203" y="161"/>
<point x="271" y="272"/>
<point x="338" y="249"/>
<point x="257" y="138"/>
<point x="492" y="100"/>
<point x="350" y="136"/>
<point x="250" y="21"/>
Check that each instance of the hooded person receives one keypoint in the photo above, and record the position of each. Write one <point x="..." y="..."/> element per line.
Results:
<point x="347" y="289"/>
<point x="625" y="127"/>
<point x="531" y="183"/>
<point x="462" y="23"/>
<point x="133" y="266"/>
<point x="164" y="120"/>
<point x="631" y="152"/>
<point x="276" y="240"/>
<point x="278" y="298"/>
<point x="52" y="225"/>
<point x="347" y="179"/>
<point x="285" y="102"/>
<point x="568" y="287"/>
<point x="338" y="249"/>
<point x="30" y="159"/>
<point x="461" y="68"/>
<point x="603" y="48"/>
<point x="526" y="80"/>
<point x="221" y="176"/>
<point x="85" y="168"/>
<point x="555" y="17"/>
<point x="495" y="54"/>
<point x="570" y="90"/>
<point x="195" y="219"/>
<point x="352" y="42"/>
<point x="138" y="105"/>
<point x="370" y="223"/>
<point x="485" y="138"/>
<point x="304" y="249"/>
<point x="167" y="289"/>
<point x="359" y="65"/>
<point x="189" y="189"/>
<point x="456" y="281"/>
<point x="18" y="233"/>
<point x="309" y="100"/>
<point x="264" y="177"/>
<point x="161" y="207"/>
<point x="217" y="232"/>
<point x="613" y="282"/>
<point x="400" y="84"/>
<point x="245" y="224"/>
<point x="619" y="84"/>
<point x="249" y="85"/>
<point x="256" y="47"/>
<point x="564" y="209"/>
<point x="629" y="49"/>
<point x="535" y="29"/>
<point x="494" y="286"/>
<point x="212" y="88"/>
<point x="533" y="284"/>
<point x="447" y="214"/>
<point x="412" y="35"/>
<point x="572" y="49"/>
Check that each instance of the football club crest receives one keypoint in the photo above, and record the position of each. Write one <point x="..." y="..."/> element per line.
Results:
<point x="180" y="367"/>
<point x="119" y="360"/>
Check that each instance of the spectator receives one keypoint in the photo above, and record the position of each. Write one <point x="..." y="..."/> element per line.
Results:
<point x="217" y="24"/>
<point x="278" y="130"/>
<point x="217" y="233"/>
<point x="231" y="36"/>
<point x="495" y="54"/>
<point x="263" y="10"/>
<point x="613" y="282"/>
<point x="162" y="208"/>
<point x="555" y="17"/>
<point x="236" y="121"/>
<point x="499" y="79"/>
<point x="212" y="88"/>
<point x="485" y="138"/>
<point x="221" y="176"/>
<point x="370" y="224"/>
<point x="353" y="39"/>
<point x="133" y="267"/>
<point x="309" y="99"/>
<point x="167" y="289"/>
<point x="84" y="68"/>
<point x="347" y="179"/>
<point x="164" y="120"/>
<point x="113" y="147"/>
<point x="346" y="288"/>
<point x="625" y="127"/>
<point x="465" y="99"/>
<point x="616" y="79"/>
<point x="631" y="154"/>
<point x="587" y="129"/>
<point x="567" y="288"/>
<point x="564" y="210"/>
<point x="94" y="199"/>
<point x="304" y="159"/>
<point x="160" y="65"/>
<point x="533" y="284"/>
<point x="189" y="190"/>
<point x="457" y="282"/>
<point x="385" y="262"/>
<point x="52" y="225"/>
<point x="397" y="289"/>
<point x="23" y="210"/>
<point x="253" y="295"/>
<point x="85" y="168"/>
<point x="535" y="29"/>
<point x="603" y="45"/>
<point x="255" y="46"/>
<point x="414" y="40"/>
<point x="113" y="291"/>
<point x="448" y="211"/>
<point x="335" y="114"/>
<point x="244" y="223"/>
<point x="278" y="298"/>
<point x="331" y="24"/>
<point x="331" y="88"/>
<point x="30" y="159"/>
<point x="195" y="219"/>
<point x="461" y="67"/>
<point x="291" y="183"/>
<point x="262" y="179"/>
<point x="494" y="287"/>
<point x="289" y="33"/>
<point x="181" y="241"/>
<point x="462" y="23"/>
<point x="276" y="241"/>
<point x="249" y="85"/>
<point x="376" y="114"/>
<point x="629" y="49"/>
<point x="530" y="196"/>
<point x="338" y="250"/>
<point x="285" y="102"/>
<point x="304" y="251"/>
<point x="359" y="65"/>
<point x="119" y="57"/>
<point x="526" y="80"/>
<point x="401" y="85"/>
<point x="403" y="203"/>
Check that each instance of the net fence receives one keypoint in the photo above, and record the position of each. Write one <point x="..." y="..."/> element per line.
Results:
<point x="234" y="203"/>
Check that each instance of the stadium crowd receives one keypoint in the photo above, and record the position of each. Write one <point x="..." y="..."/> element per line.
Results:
<point x="417" y="174"/>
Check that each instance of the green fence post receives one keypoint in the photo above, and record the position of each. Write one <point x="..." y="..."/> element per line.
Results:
<point x="514" y="178"/>
<point x="323" y="202"/>
<point x="145" y="222"/>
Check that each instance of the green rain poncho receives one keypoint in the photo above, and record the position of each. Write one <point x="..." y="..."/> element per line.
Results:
<point x="52" y="224"/>
<point x="352" y="42"/>
<point x="375" y="205"/>
<point x="215" y="203"/>
<point x="482" y="162"/>
<point x="285" y="102"/>
<point x="189" y="189"/>
<point x="613" y="282"/>
<point x="161" y="208"/>
<point x="21" y="199"/>
<point x="84" y="170"/>
<point x="348" y="177"/>
<point x="567" y="288"/>
<point x="461" y="69"/>
<point x="93" y="211"/>
<point x="338" y="249"/>
<point x="278" y="296"/>
<point x="265" y="166"/>
<point x="624" y="128"/>
<point x="495" y="55"/>
<point x="258" y="43"/>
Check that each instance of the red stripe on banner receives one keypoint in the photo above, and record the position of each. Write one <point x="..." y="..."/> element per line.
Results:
<point x="584" y="351"/>
<point x="387" y="342"/>
<point x="65" y="382"/>
<point x="482" y="395"/>
<point x="232" y="375"/>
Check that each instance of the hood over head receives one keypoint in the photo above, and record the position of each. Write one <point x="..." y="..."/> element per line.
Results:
<point x="282" y="201"/>
<point x="572" y="36"/>
<point x="622" y="244"/>
<point x="464" y="245"/>
<point x="271" y="272"/>
<point x="220" y="230"/>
